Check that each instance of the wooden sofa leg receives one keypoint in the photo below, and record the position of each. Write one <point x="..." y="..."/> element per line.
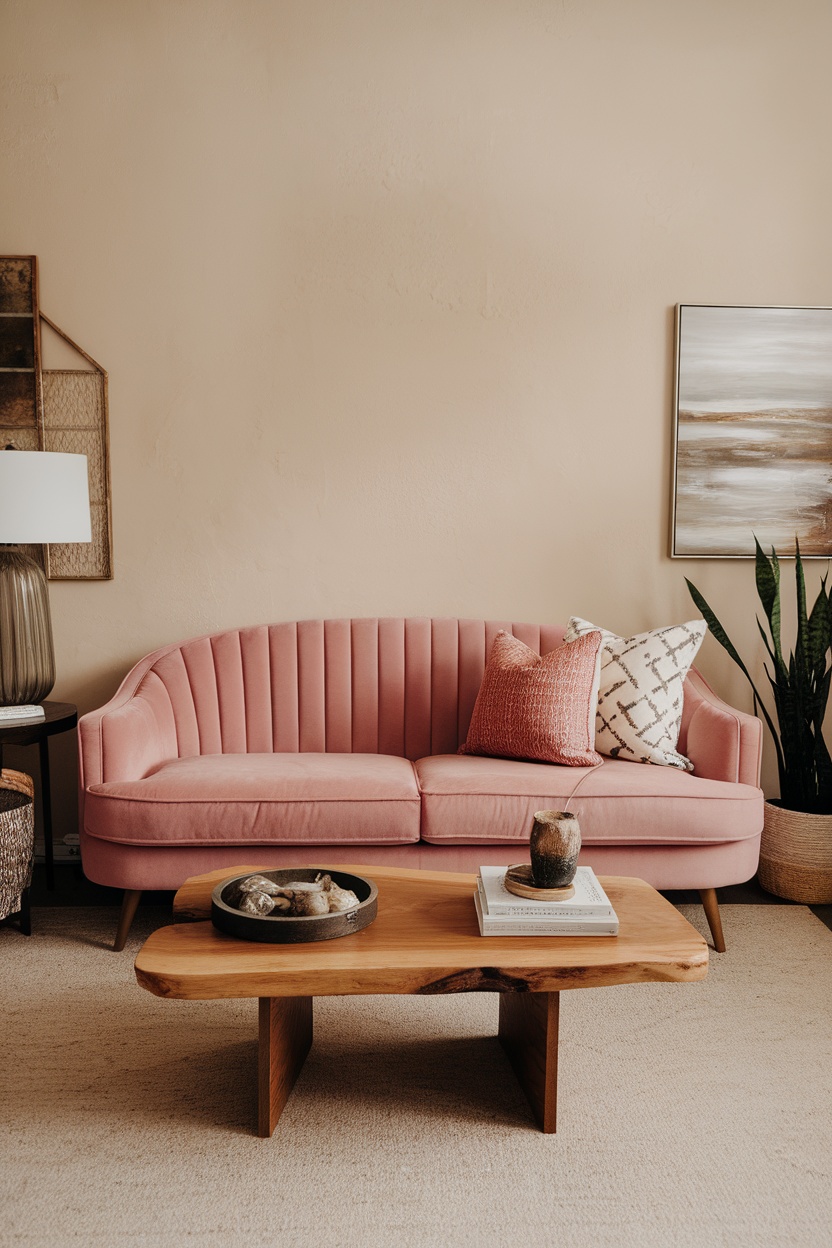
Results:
<point x="711" y="908"/>
<point x="129" y="906"/>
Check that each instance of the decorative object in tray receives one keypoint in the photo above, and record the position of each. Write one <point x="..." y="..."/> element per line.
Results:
<point x="587" y="911"/>
<point x="294" y="905"/>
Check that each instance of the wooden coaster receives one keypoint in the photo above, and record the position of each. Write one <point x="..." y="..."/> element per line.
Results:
<point x="519" y="880"/>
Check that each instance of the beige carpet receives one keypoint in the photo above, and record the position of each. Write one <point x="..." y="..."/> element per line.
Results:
<point x="696" y="1114"/>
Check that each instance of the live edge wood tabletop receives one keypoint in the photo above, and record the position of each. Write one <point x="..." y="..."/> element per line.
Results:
<point x="425" y="940"/>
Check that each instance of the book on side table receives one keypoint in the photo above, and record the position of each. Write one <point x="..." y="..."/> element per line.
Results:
<point x="10" y="716"/>
<point x="500" y="913"/>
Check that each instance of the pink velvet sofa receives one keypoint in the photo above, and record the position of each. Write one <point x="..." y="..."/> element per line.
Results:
<point x="335" y="741"/>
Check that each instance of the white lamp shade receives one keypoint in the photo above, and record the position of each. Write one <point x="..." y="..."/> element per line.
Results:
<point x="44" y="497"/>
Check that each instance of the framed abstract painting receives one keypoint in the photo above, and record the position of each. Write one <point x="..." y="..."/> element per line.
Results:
<point x="753" y="425"/>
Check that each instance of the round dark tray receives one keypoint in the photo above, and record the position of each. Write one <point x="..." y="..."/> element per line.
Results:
<point x="291" y="930"/>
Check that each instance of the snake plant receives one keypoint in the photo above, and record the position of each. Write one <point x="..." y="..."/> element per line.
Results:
<point x="800" y="685"/>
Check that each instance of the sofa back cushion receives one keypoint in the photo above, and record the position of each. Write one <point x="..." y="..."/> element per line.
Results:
<point x="371" y="686"/>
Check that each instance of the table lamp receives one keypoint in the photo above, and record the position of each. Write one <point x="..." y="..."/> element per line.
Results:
<point x="44" y="497"/>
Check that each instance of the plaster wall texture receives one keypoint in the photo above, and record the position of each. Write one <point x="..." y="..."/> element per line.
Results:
<point x="386" y="292"/>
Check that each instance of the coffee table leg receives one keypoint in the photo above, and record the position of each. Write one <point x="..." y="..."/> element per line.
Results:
<point x="529" y="1034"/>
<point x="285" y="1039"/>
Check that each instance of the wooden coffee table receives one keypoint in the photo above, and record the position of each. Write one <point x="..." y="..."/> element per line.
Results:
<point x="425" y="940"/>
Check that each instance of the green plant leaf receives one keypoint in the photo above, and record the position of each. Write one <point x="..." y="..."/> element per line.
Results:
<point x="823" y="764"/>
<point x="716" y="628"/>
<point x="768" y="589"/>
<point x="725" y="641"/>
<point x="766" y="643"/>
<point x="818" y="631"/>
<point x="801" y="644"/>
<point x="794" y="694"/>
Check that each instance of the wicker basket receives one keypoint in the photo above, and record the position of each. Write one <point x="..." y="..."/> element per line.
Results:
<point x="17" y="839"/>
<point x="796" y="855"/>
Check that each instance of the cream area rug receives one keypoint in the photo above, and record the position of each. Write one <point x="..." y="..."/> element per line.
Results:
<point x="695" y="1114"/>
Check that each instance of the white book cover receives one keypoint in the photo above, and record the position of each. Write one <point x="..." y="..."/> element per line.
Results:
<point x="572" y="923"/>
<point x="12" y="715"/>
<point x="21" y="712"/>
<point x="588" y="901"/>
<point x="506" y="926"/>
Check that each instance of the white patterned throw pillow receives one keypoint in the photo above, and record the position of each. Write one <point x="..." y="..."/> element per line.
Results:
<point x="640" y="697"/>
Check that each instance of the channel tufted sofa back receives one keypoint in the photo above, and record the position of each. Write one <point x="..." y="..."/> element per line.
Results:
<point x="365" y="686"/>
<point x="375" y="686"/>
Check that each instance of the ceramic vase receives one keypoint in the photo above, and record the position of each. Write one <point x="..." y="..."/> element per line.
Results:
<point x="555" y="844"/>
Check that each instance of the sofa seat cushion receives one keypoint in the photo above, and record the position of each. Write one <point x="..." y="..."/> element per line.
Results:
<point x="467" y="800"/>
<point x="258" y="799"/>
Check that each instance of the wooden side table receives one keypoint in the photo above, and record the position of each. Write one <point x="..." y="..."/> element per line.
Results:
<point x="59" y="717"/>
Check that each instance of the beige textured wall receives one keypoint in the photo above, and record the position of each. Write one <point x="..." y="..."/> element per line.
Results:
<point x="385" y="290"/>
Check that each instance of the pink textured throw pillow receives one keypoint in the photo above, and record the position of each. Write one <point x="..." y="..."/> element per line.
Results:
<point x="539" y="708"/>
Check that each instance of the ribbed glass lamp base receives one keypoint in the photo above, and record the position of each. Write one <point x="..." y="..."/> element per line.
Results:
<point x="27" y="657"/>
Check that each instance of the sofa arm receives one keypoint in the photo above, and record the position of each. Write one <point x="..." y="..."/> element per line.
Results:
<point x="722" y="742"/>
<point x="125" y="739"/>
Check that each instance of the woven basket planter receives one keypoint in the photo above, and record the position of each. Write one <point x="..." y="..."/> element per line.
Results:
<point x="796" y="855"/>
<point x="17" y="839"/>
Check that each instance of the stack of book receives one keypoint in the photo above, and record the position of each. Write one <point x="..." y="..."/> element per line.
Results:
<point x="12" y="716"/>
<point x="586" y="913"/>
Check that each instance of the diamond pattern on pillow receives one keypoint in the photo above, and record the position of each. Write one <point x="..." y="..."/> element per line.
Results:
<point x="641" y="693"/>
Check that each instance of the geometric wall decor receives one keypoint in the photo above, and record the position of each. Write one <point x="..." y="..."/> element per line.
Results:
<point x="20" y="374"/>
<point x="75" y="421"/>
<point x="54" y="410"/>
